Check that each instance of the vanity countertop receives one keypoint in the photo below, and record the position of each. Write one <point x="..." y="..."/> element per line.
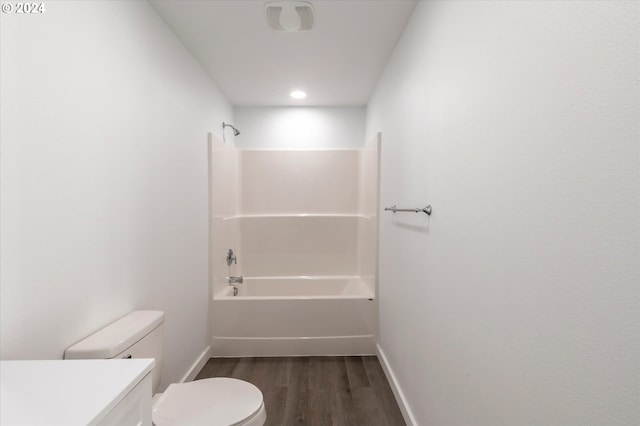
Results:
<point x="66" y="392"/>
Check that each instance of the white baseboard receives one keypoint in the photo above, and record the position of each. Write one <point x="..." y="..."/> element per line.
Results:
<point x="395" y="387"/>
<point x="197" y="365"/>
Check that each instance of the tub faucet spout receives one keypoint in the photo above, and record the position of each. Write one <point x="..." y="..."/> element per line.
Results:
<point x="235" y="280"/>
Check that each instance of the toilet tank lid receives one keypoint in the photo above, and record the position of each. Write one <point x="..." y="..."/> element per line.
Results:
<point x="117" y="336"/>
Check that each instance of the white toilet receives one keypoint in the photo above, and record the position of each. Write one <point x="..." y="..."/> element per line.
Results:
<point x="218" y="401"/>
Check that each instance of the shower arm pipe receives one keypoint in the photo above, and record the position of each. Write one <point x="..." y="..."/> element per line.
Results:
<point x="394" y="209"/>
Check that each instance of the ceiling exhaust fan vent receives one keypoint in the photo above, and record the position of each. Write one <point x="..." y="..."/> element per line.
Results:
<point x="289" y="16"/>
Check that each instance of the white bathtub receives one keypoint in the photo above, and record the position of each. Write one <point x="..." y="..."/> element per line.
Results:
<point x="274" y="316"/>
<point x="288" y="288"/>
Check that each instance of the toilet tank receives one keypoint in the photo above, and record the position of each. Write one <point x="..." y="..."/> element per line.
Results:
<point x="136" y="335"/>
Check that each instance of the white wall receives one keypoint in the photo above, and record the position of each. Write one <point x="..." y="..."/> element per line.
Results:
<point x="517" y="302"/>
<point x="104" y="178"/>
<point x="299" y="127"/>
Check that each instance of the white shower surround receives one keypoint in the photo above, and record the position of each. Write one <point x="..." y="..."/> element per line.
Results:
<point x="303" y="225"/>
<point x="296" y="288"/>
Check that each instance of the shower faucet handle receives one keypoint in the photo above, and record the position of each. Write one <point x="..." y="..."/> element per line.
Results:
<point x="231" y="258"/>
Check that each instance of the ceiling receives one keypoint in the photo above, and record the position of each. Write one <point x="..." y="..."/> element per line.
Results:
<point x="337" y="63"/>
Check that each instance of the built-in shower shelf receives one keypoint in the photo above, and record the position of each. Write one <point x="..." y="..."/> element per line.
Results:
<point x="273" y="216"/>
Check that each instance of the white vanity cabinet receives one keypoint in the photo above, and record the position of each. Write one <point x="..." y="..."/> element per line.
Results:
<point x="76" y="392"/>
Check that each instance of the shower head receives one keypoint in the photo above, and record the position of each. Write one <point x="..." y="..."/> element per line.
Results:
<point x="236" y="132"/>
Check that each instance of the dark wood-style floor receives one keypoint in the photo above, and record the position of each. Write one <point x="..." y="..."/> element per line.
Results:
<point x="323" y="391"/>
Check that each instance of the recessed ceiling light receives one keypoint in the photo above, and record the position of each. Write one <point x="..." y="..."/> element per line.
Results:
<point x="298" y="94"/>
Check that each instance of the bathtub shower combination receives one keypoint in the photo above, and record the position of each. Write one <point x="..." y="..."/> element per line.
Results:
<point x="302" y="226"/>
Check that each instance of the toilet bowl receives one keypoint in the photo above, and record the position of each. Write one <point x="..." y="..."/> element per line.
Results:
<point x="200" y="402"/>
<point x="219" y="401"/>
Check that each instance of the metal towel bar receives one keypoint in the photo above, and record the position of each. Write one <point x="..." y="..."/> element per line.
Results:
<point x="394" y="209"/>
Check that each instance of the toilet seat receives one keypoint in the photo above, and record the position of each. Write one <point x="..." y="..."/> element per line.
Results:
<point x="219" y="401"/>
